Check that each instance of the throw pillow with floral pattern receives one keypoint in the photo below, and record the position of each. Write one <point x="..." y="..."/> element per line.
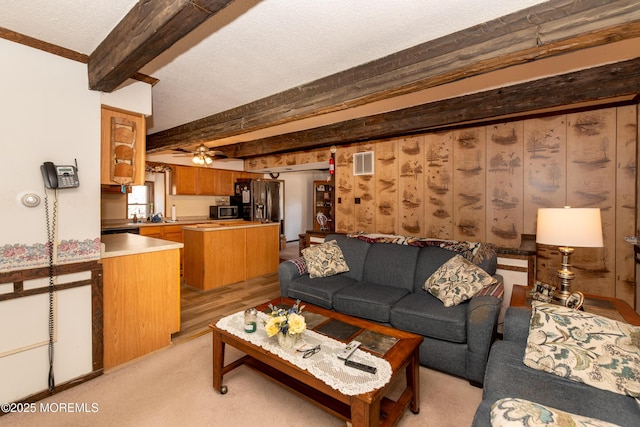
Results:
<point x="456" y="281"/>
<point x="584" y="347"/>
<point x="325" y="259"/>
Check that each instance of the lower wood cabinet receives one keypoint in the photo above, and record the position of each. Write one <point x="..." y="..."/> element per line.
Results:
<point x="166" y="232"/>
<point x="141" y="304"/>
<point x="218" y="257"/>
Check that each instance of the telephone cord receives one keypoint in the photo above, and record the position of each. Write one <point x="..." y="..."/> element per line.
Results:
<point x="51" y="225"/>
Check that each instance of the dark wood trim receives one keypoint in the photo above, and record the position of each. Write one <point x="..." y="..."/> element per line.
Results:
<point x="145" y="32"/>
<point x="542" y="31"/>
<point x="97" y="318"/>
<point x="95" y="267"/>
<point x="61" y="387"/>
<point x="19" y="276"/>
<point x="512" y="268"/>
<point x="42" y="45"/>
<point x="61" y="51"/>
<point x="597" y="84"/>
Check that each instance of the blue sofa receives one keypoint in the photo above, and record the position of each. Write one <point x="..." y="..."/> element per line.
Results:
<point x="508" y="377"/>
<point x="384" y="285"/>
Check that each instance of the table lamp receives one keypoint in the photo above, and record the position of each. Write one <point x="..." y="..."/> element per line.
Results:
<point x="568" y="228"/>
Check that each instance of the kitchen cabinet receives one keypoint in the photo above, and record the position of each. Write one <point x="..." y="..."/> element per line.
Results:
<point x="220" y="254"/>
<point x="246" y="176"/>
<point x="141" y="291"/>
<point x="323" y="202"/>
<point x="165" y="232"/>
<point x="190" y="180"/>
<point x="224" y="183"/>
<point x="184" y="180"/>
<point x="122" y="147"/>
<point x="207" y="181"/>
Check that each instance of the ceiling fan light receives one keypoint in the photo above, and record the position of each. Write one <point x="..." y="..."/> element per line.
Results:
<point x="208" y="160"/>
<point x="195" y="160"/>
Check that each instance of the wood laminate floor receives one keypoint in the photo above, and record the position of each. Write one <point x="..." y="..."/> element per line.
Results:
<point x="198" y="308"/>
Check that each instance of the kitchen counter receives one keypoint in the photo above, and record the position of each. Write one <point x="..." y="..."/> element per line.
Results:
<point x="129" y="244"/>
<point x="126" y="223"/>
<point x="227" y="225"/>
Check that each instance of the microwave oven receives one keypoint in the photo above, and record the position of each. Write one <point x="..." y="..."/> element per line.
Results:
<point x="223" y="212"/>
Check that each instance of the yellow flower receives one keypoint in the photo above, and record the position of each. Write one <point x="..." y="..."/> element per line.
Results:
<point x="272" y="327"/>
<point x="297" y="324"/>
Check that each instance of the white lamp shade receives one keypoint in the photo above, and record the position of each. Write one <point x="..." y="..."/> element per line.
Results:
<point x="573" y="227"/>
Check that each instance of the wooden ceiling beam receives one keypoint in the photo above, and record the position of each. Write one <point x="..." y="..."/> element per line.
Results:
<point x="145" y="32"/>
<point x="590" y="85"/>
<point x="545" y="30"/>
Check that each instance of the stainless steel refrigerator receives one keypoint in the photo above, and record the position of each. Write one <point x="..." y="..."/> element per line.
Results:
<point x="265" y="201"/>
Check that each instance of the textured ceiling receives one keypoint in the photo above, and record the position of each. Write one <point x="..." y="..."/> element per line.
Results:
<point x="252" y="48"/>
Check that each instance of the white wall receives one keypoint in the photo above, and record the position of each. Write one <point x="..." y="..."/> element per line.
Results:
<point x="298" y="198"/>
<point x="47" y="114"/>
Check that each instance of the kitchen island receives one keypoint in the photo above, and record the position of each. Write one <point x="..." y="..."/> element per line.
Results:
<point x="218" y="254"/>
<point x="141" y="289"/>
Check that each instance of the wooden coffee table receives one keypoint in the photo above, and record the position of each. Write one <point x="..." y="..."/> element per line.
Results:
<point x="368" y="409"/>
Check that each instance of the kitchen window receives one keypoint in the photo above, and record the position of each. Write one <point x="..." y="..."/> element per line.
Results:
<point x="140" y="200"/>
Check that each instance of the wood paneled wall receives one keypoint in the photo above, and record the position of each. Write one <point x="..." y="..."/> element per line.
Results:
<point x="486" y="183"/>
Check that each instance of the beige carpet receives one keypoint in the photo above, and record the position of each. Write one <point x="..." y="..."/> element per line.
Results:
<point x="173" y="387"/>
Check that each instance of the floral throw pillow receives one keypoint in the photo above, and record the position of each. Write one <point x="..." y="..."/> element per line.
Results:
<point x="324" y="260"/>
<point x="456" y="281"/>
<point x="512" y="412"/>
<point x="584" y="347"/>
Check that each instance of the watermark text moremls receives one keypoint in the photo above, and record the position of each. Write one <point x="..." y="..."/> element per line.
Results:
<point x="69" y="407"/>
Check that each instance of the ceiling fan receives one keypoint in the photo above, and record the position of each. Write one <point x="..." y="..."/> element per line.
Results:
<point x="202" y="155"/>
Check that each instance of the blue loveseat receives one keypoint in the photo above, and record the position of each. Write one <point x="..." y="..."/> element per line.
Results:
<point x="384" y="284"/>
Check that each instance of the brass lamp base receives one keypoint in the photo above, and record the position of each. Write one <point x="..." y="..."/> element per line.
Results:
<point x="565" y="275"/>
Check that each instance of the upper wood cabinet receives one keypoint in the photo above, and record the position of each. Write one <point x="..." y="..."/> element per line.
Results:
<point x="184" y="180"/>
<point x="207" y="181"/>
<point x="123" y="145"/>
<point x="190" y="180"/>
<point x="224" y="183"/>
<point x="241" y="175"/>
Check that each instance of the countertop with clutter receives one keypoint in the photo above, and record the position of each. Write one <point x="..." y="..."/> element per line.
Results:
<point x="114" y="224"/>
<point x="229" y="224"/>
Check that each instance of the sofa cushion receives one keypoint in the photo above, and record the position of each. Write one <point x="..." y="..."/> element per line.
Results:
<point x="507" y="376"/>
<point x="325" y="260"/>
<point x="585" y="347"/>
<point x="318" y="291"/>
<point x="510" y="412"/>
<point x="457" y="280"/>
<point x="355" y="253"/>
<point x="391" y="265"/>
<point x="424" y="314"/>
<point x="367" y="300"/>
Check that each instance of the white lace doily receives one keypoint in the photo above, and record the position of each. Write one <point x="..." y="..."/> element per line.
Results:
<point x="324" y="365"/>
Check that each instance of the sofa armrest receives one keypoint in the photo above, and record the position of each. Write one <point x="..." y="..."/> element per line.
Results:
<point x="287" y="273"/>
<point x="516" y="324"/>
<point x="482" y="322"/>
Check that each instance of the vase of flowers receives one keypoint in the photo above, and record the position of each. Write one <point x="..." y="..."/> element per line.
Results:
<point x="286" y="324"/>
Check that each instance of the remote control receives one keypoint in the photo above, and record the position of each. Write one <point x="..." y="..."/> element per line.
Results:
<point x="348" y="350"/>
<point x="361" y="366"/>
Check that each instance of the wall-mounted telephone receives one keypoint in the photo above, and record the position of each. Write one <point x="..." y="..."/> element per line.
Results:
<point x="59" y="176"/>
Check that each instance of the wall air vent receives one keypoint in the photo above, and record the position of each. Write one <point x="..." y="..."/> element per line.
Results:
<point x="363" y="163"/>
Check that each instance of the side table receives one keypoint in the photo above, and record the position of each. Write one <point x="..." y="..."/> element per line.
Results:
<point x="612" y="308"/>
